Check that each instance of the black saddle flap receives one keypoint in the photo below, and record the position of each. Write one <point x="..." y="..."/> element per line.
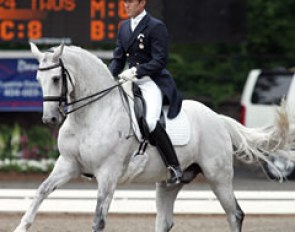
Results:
<point x="140" y="111"/>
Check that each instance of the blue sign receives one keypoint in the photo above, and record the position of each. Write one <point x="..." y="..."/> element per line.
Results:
<point x="19" y="89"/>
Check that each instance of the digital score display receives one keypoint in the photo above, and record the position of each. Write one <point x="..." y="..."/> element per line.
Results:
<point x="52" y="21"/>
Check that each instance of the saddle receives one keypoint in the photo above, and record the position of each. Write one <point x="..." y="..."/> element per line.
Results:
<point x="177" y="128"/>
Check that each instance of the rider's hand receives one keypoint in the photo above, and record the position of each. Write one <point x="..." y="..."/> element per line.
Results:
<point x="128" y="74"/>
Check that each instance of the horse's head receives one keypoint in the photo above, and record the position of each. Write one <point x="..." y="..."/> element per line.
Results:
<point x="53" y="79"/>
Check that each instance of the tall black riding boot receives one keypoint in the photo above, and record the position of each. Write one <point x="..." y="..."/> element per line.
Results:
<point x="167" y="152"/>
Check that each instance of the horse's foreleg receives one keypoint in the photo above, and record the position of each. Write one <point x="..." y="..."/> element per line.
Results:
<point x="107" y="183"/>
<point x="165" y="199"/>
<point x="63" y="172"/>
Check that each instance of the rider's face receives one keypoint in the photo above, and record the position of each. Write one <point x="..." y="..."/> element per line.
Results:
<point x="134" y="7"/>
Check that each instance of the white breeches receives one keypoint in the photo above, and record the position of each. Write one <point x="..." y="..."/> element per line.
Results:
<point x="153" y="98"/>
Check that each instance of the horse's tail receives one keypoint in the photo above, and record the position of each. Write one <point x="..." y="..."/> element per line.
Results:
<point x="254" y="144"/>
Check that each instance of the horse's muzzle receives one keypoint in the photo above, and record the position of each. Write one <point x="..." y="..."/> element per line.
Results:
<point x="50" y="120"/>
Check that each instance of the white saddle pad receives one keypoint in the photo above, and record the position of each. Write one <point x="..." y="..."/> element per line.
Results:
<point x="177" y="128"/>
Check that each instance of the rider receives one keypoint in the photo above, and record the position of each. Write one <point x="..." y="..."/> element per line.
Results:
<point x="143" y="43"/>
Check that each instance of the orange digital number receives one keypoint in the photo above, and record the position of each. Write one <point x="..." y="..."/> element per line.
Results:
<point x="6" y="30"/>
<point x="97" y="30"/>
<point x="34" y="29"/>
<point x="8" y="4"/>
<point x="121" y="10"/>
<point x="53" y="5"/>
<point x="98" y="6"/>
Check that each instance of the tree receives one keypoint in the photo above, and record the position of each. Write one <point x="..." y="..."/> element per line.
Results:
<point x="218" y="71"/>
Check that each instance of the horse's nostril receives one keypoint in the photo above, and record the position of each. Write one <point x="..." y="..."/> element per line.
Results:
<point x="50" y="120"/>
<point x="53" y="119"/>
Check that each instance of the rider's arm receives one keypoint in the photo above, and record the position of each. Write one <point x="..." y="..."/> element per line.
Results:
<point x="117" y="63"/>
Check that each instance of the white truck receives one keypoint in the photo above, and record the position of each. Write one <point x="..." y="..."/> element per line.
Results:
<point x="262" y="93"/>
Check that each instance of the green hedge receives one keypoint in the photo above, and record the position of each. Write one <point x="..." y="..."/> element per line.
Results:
<point x="32" y="149"/>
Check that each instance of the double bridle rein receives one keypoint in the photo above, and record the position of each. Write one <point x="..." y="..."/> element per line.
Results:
<point x="62" y="99"/>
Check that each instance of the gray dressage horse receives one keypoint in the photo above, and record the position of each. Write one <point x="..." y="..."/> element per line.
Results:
<point x="95" y="139"/>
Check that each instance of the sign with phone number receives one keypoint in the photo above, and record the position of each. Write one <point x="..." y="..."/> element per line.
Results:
<point x="19" y="89"/>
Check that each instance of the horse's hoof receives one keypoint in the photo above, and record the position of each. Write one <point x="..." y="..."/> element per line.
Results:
<point x="21" y="228"/>
<point x="170" y="227"/>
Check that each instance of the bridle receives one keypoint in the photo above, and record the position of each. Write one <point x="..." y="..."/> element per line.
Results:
<point x="64" y="91"/>
<point x="63" y="100"/>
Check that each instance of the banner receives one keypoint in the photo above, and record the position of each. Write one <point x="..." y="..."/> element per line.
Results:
<point x="19" y="89"/>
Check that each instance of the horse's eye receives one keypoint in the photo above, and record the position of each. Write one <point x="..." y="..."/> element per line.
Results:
<point x="55" y="79"/>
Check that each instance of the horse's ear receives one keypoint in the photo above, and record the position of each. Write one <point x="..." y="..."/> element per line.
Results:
<point x="36" y="52"/>
<point x="58" y="52"/>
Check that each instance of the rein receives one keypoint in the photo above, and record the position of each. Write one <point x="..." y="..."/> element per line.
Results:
<point x="62" y="99"/>
<point x="99" y="95"/>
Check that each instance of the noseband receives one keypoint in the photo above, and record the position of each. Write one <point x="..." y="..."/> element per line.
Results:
<point x="62" y="99"/>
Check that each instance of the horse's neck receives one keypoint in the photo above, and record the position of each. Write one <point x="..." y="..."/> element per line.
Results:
<point x="90" y="74"/>
<point x="90" y="78"/>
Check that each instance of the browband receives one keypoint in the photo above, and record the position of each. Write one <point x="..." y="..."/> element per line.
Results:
<point x="50" y="67"/>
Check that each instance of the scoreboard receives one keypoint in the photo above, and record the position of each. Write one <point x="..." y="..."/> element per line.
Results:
<point x="89" y="22"/>
<point x="50" y="21"/>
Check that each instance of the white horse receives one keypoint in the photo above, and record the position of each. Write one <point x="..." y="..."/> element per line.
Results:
<point x="94" y="139"/>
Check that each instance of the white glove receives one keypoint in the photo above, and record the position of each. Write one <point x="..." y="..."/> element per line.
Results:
<point x="128" y="74"/>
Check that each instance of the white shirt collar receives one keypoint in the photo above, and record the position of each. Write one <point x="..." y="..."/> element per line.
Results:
<point x="135" y="21"/>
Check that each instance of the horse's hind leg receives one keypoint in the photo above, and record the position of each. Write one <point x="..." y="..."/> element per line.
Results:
<point x="63" y="172"/>
<point x="165" y="199"/>
<point x="221" y="184"/>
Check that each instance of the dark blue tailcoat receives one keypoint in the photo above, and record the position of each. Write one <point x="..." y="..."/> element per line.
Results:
<point x="147" y="49"/>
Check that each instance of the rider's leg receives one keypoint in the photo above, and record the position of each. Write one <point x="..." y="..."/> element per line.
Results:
<point x="167" y="153"/>
<point x="153" y="98"/>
